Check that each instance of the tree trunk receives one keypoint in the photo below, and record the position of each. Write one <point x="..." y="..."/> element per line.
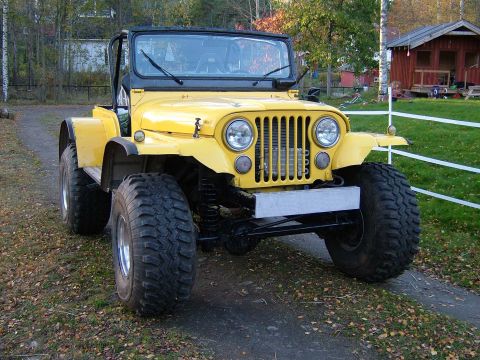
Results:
<point x="382" y="71"/>
<point x="43" y="76"/>
<point x="119" y="14"/>
<point x="43" y="95"/>
<point x="329" y="62"/>
<point x="477" y="11"/>
<point x="439" y="16"/>
<point x="251" y="14"/>
<point x="5" y="50"/>
<point x="61" y="29"/>
<point x="15" y="58"/>
<point x="30" y="53"/>
<point x="462" y="9"/>
<point x="29" y="62"/>
<point x="329" y="80"/>
<point x="37" y="41"/>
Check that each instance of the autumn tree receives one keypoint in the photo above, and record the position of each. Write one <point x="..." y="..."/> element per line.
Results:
<point x="274" y="23"/>
<point x="41" y="31"/>
<point x="406" y="15"/>
<point x="334" y="32"/>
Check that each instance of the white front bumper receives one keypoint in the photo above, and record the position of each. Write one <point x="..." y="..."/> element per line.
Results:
<point x="298" y="202"/>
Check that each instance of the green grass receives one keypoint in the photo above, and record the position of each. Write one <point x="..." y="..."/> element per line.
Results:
<point x="450" y="244"/>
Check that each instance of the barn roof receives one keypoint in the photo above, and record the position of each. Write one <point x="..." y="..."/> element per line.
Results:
<point x="425" y="34"/>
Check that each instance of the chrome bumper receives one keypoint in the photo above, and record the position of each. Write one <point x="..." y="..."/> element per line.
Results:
<point x="298" y="202"/>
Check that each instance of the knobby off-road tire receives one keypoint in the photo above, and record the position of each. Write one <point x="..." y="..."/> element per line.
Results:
<point x="154" y="243"/>
<point x="84" y="207"/>
<point x="387" y="241"/>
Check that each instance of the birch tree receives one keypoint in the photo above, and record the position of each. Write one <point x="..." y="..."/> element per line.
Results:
<point x="5" y="50"/>
<point x="382" y="83"/>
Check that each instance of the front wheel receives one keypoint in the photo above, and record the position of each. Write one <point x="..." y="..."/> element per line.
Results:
<point x="386" y="239"/>
<point x="154" y="241"/>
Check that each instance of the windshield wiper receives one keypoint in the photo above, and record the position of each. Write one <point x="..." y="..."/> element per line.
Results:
<point x="158" y="67"/>
<point x="255" y="83"/>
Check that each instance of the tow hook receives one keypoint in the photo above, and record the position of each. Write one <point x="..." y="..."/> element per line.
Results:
<point x="198" y="126"/>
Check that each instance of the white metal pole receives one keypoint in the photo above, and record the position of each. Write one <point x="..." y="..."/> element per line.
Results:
<point x="389" y="121"/>
<point x="4" y="51"/>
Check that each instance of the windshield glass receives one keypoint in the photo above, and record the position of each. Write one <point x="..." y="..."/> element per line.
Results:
<point x="203" y="55"/>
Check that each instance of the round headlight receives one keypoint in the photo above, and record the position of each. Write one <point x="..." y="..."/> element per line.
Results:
<point x="327" y="132"/>
<point x="239" y="135"/>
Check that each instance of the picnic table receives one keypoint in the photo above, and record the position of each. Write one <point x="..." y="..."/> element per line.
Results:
<point x="473" y="91"/>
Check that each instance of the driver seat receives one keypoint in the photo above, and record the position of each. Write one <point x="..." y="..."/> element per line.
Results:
<point x="209" y="63"/>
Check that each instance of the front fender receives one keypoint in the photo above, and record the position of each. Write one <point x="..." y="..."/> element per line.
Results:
<point x="90" y="136"/>
<point x="205" y="150"/>
<point x="355" y="147"/>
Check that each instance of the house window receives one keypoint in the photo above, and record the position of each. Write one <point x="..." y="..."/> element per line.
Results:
<point x="471" y="60"/>
<point x="424" y="58"/>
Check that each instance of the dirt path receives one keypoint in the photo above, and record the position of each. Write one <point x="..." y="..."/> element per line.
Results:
<point x="434" y="294"/>
<point x="232" y="315"/>
<point x="37" y="130"/>
<point x="226" y="314"/>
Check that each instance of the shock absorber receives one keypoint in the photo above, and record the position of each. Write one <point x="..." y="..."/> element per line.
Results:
<point x="209" y="214"/>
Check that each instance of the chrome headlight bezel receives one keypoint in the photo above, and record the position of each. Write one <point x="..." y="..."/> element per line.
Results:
<point x="320" y="121"/>
<point x="226" y="135"/>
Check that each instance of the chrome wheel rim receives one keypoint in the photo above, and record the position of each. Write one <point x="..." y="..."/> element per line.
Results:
<point x="65" y="192"/>
<point x="355" y="238"/>
<point x="123" y="247"/>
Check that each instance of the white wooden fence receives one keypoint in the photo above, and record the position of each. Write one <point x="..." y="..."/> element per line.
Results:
<point x="391" y="151"/>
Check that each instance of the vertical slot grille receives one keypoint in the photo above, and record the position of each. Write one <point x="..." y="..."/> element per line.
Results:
<point x="282" y="150"/>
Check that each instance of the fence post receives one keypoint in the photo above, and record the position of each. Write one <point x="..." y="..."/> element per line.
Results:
<point x="389" y="121"/>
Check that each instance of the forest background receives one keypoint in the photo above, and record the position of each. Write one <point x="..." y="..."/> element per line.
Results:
<point x="42" y="35"/>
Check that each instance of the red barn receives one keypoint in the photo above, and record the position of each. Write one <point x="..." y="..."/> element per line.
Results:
<point x="349" y="79"/>
<point x="444" y="55"/>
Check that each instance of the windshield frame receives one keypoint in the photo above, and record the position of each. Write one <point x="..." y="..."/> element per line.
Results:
<point x="199" y="81"/>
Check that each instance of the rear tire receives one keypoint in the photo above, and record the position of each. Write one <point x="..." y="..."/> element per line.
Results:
<point x="386" y="240"/>
<point x="84" y="207"/>
<point x="154" y="243"/>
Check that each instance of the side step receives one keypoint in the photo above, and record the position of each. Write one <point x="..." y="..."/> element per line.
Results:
<point x="94" y="172"/>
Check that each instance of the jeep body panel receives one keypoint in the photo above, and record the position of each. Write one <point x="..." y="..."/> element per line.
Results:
<point x="355" y="147"/>
<point x="90" y="134"/>
<point x="165" y="113"/>
<point x="169" y="125"/>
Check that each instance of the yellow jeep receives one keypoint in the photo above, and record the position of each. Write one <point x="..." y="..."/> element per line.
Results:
<point x="206" y="143"/>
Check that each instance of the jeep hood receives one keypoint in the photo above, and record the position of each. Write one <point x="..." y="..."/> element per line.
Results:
<point x="178" y="116"/>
